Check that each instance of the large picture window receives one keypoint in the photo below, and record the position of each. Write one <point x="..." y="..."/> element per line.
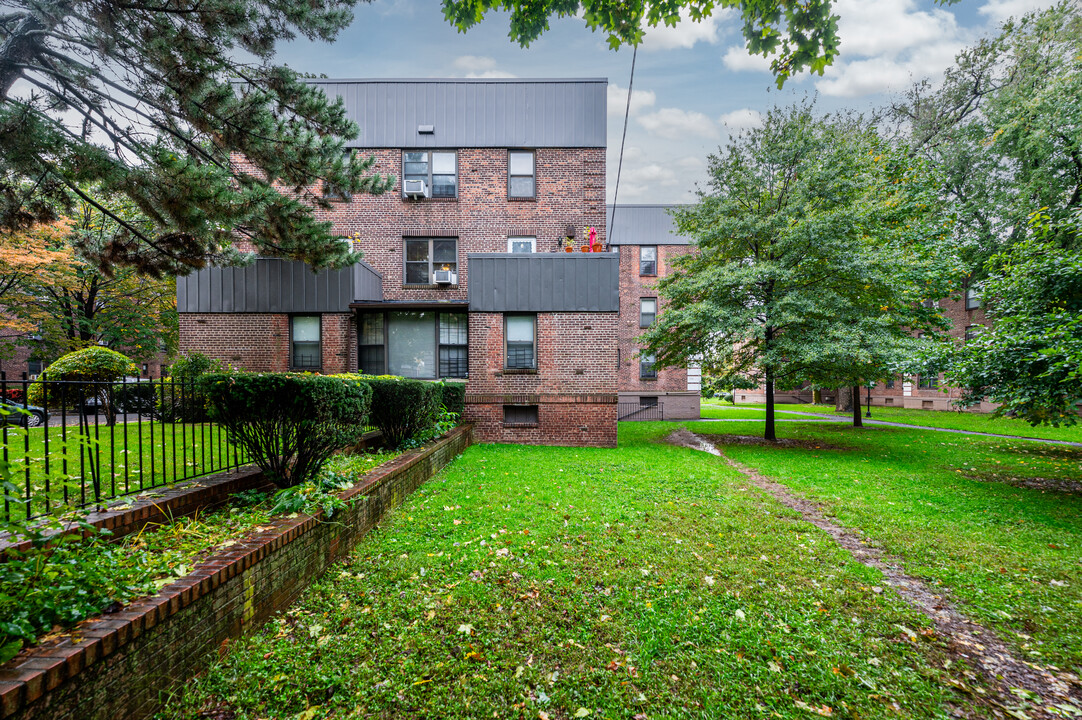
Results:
<point x="420" y="344"/>
<point x="438" y="169"/>
<point x="521" y="334"/>
<point x="304" y="335"/>
<point x="424" y="256"/>
<point x="521" y="177"/>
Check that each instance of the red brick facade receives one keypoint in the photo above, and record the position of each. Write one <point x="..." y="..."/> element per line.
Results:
<point x="573" y="387"/>
<point x="671" y="384"/>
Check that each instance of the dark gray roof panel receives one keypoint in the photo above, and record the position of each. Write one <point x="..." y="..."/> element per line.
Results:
<point x="505" y="113"/>
<point x="544" y="282"/>
<point x="643" y="225"/>
<point x="277" y="286"/>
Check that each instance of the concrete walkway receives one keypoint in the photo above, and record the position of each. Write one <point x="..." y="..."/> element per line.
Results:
<point x="819" y="417"/>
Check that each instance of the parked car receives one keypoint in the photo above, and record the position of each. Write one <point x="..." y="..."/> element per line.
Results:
<point x="37" y="417"/>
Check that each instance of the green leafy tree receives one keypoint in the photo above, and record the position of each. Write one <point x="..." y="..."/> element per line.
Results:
<point x="1030" y="359"/>
<point x="816" y="242"/>
<point x="157" y="101"/>
<point x="1005" y="130"/>
<point x="74" y="304"/>
<point x="798" y="35"/>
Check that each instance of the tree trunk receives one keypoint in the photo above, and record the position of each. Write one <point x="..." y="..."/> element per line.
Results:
<point x="817" y="396"/>
<point x="769" y="433"/>
<point x="856" y="407"/>
<point x="844" y="402"/>
<point x="18" y="49"/>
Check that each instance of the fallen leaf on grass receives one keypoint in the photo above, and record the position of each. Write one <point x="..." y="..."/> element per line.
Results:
<point x="581" y="713"/>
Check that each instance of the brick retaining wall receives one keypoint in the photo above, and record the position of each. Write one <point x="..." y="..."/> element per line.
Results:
<point x="124" y="665"/>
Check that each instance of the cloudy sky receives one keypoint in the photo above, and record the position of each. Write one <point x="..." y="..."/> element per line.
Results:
<point x="694" y="84"/>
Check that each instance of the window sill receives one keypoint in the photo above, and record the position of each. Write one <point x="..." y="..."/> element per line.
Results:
<point x="522" y="199"/>
<point x="520" y="371"/>
<point x="429" y="199"/>
<point x="521" y="425"/>
<point x="648" y="379"/>
<point x="425" y="286"/>
<point x="647" y="274"/>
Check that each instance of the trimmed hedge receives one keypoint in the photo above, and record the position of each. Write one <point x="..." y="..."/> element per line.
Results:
<point x="402" y="408"/>
<point x="454" y="397"/>
<point x="289" y="423"/>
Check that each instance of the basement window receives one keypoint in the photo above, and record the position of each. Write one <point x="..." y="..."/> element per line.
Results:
<point x="520" y="416"/>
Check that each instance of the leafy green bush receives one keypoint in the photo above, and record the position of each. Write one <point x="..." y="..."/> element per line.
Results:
<point x="454" y="397"/>
<point x="402" y="408"/>
<point x="60" y="584"/>
<point x="289" y="424"/>
<point x="184" y="401"/>
<point x="84" y="369"/>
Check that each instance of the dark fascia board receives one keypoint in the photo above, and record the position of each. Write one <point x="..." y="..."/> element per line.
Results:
<point x="544" y="282"/>
<point x="460" y="305"/>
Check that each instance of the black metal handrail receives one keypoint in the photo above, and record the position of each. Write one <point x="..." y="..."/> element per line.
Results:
<point x="88" y="443"/>
<point x="638" y="411"/>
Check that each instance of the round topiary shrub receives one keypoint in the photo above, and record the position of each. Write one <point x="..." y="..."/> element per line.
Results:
<point x="402" y="408"/>
<point x="87" y="374"/>
<point x="181" y="399"/>
<point x="289" y="424"/>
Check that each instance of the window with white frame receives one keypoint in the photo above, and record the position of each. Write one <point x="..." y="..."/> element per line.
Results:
<point x="437" y="168"/>
<point x="522" y="244"/>
<point x="647" y="311"/>
<point x="521" y="174"/>
<point x="521" y="334"/>
<point x="305" y="339"/>
<point x="973" y="299"/>
<point x="424" y="256"/>
<point x="648" y="260"/>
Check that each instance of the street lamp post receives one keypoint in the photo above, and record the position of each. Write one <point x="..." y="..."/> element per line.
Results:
<point x="868" y="403"/>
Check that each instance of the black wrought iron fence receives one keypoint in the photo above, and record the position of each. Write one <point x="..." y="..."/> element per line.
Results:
<point x="637" y="411"/>
<point x="71" y="443"/>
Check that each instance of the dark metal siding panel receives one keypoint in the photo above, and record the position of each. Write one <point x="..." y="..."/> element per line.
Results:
<point x="475" y="113"/>
<point x="502" y="282"/>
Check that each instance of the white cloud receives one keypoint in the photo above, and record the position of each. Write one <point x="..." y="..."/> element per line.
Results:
<point x="640" y="100"/>
<point x="478" y="66"/>
<point x="999" y="11"/>
<point x="686" y="33"/>
<point x="888" y="44"/>
<point x="742" y="119"/>
<point x="691" y="162"/>
<point x="738" y="59"/>
<point x="675" y="124"/>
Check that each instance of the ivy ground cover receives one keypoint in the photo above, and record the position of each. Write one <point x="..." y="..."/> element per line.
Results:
<point x="646" y="581"/>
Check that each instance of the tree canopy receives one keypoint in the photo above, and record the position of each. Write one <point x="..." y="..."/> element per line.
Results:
<point x="816" y="243"/>
<point x="156" y="101"/>
<point x="797" y="34"/>
<point x="69" y="303"/>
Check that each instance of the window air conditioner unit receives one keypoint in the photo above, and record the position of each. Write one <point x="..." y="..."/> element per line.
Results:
<point x="415" y="188"/>
<point x="444" y="277"/>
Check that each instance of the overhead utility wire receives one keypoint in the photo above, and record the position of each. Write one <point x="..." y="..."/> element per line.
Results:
<point x="620" y="165"/>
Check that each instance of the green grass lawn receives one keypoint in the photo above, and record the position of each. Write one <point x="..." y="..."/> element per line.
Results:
<point x="132" y="457"/>
<point x="976" y="422"/>
<point x="997" y="522"/>
<point x="645" y="581"/>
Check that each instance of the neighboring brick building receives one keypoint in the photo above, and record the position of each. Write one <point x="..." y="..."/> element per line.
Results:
<point x="492" y="174"/>
<point x="920" y="392"/>
<point x="647" y="241"/>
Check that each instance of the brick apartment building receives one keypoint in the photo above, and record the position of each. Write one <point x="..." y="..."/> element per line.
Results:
<point x="921" y="392"/>
<point x="647" y="241"/>
<point x="465" y="272"/>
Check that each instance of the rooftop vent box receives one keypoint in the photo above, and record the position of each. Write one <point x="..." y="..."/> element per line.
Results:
<point x="426" y="129"/>
<point x="415" y="188"/>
